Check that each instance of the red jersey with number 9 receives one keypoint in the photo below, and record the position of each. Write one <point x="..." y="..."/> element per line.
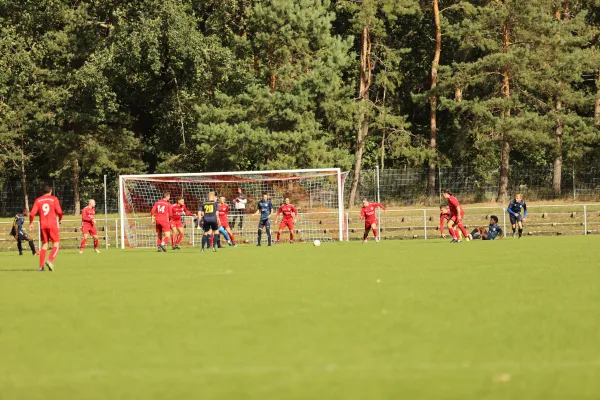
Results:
<point x="48" y="208"/>
<point x="162" y="211"/>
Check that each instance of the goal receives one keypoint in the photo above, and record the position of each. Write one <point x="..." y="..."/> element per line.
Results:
<point x="316" y="193"/>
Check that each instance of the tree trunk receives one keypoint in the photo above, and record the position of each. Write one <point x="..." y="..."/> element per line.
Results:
<point x="597" y="108"/>
<point x="363" y="125"/>
<point x="505" y="152"/>
<point x="558" y="156"/>
<point x="76" y="199"/>
<point x="433" y="102"/>
<point x="24" y="176"/>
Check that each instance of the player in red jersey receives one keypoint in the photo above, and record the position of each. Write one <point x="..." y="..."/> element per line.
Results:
<point x="161" y="215"/>
<point x="444" y="216"/>
<point x="224" y="220"/>
<point x="289" y="219"/>
<point x="456" y="217"/>
<point x="177" y="229"/>
<point x="88" y="226"/>
<point x="51" y="214"/>
<point x="368" y="213"/>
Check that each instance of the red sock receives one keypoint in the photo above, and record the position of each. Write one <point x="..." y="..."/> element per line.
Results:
<point x="463" y="230"/>
<point x="172" y="240"/>
<point x="231" y="237"/>
<point x="158" y="241"/>
<point x="454" y="233"/>
<point x="42" y="257"/>
<point x="366" y="234"/>
<point x="211" y="240"/>
<point x="83" y="242"/>
<point x="179" y="238"/>
<point x="53" y="254"/>
<point x="96" y="241"/>
<point x="291" y="235"/>
<point x="375" y="232"/>
<point x="278" y="236"/>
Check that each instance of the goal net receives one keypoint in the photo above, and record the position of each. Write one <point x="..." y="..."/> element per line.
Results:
<point x="317" y="194"/>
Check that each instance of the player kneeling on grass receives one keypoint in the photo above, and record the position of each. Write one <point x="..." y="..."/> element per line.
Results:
<point x="368" y="213"/>
<point x="288" y="220"/>
<point x="457" y="215"/>
<point x="88" y="226"/>
<point x="265" y="210"/>
<point x="51" y="215"/>
<point x="177" y="230"/>
<point x="210" y="225"/>
<point x="19" y="233"/>
<point x="161" y="215"/>
<point x="224" y="228"/>
<point x="492" y="232"/>
<point x="517" y="211"/>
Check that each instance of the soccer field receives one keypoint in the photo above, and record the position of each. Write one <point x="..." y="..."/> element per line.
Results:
<point x="516" y="319"/>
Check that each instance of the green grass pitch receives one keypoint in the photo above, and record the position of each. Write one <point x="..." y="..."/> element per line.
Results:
<point x="395" y="320"/>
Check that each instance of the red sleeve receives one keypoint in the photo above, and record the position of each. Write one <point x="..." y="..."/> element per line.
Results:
<point x="380" y="206"/>
<point x="295" y="211"/>
<point x="454" y="201"/>
<point x="442" y="218"/>
<point x="362" y="213"/>
<point x="185" y="210"/>
<point x="171" y="206"/>
<point x="33" y="212"/>
<point x="279" y="210"/>
<point x="57" y="209"/>
<point x="153" y="210"/>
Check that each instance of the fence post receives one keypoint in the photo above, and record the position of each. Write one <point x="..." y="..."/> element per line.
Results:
<point x="194" y="233"/>
<point x="39" y="234"/>
<point x="585" y="219"/>
<point x="574" y="189"/>
<point x="116" y="233"/>
<point x="347" y="223"/>
<point x="503" y="220"/>
<point x="105" y="215"/>
<point x="425" y="222"/>
<point x="440" y="183"/>
<point x="378" y="200"/>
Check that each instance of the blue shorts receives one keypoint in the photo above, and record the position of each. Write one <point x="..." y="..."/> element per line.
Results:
<point x="514" y="219"/>
<point x="264" y="223"/>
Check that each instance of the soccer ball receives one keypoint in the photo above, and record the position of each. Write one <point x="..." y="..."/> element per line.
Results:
<point x="317" y="243"/>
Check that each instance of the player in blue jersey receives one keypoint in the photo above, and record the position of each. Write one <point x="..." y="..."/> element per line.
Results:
<point x="517" y="211"/>
<point x="492" y="232"/>
<point x="19" y="233"/>
<point x="209" y="213"/>
<point x="265" y="210"/>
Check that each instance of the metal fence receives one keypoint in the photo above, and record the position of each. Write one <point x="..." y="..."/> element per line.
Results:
<point x="400" y="187"/>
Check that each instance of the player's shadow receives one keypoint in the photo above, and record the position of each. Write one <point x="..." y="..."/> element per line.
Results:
<point x="19" y="270"/>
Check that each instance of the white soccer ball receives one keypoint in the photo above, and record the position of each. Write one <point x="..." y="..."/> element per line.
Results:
<point x="317" y="243"/>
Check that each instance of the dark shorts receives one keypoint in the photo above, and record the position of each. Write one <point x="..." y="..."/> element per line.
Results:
<point x="514" y="220"/>
<point x="22" y="235"/>
<point x="264" y="223"/>
<point x="489" y="236"/>
<point x="210" y="225"/>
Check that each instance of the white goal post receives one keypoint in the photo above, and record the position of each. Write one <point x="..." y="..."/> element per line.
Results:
<point x="318" y="194"/>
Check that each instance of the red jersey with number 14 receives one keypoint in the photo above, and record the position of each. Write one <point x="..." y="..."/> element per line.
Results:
<point x="48" y="207"/>
<point x="179" y="211"/>
<point x="368" y="213"/>
<point x="288" y="211"/>
<point x="162" y="211"/>
<point x="223" y="213"/>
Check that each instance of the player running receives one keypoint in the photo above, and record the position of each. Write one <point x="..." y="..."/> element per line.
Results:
<point x="177" y="230"/>
<point x="368" y="213"/>
<point x="208" y="212"/>
<point x="265" y="210"/>
<point x="161" y="216"/>
<point x="456" y="217"/>
<point x="444" y="216"/>
<point x="19" y="233"/>
<point x="225" y="229"/>
<point x="517" y="211"/>
<point x="88" y="226"/>
<point x="51" y="215"/>
<point x="288" y="220"/>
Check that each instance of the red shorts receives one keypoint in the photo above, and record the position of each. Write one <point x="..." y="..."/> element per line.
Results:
<point x="371" y="222"/>
<point x="162" y="227"/>
<point x="89" y="229"/>
<point x="176" y="224"/>
<point x="289" y="224"/>
<point x="50" y="235"/>
<point x="225" y="224"/>
<point x="454" y="218"/>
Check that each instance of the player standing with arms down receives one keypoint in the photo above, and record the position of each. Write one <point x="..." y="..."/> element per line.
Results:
<point x="368" y="213"/>
<point x="51" y="214"/>
<point x="88" y="226"/>
<point x="225" y="229"/>
<point x="19" y="233"/>
<point x="289" y="219"/>
<point x="177" y="211"/>
<point x="456" y="217"/>
<point x="161" y="215"/>
<point x="208" y="212"/>
<point x="265" y="210"/>
<point x="516" y="216"/>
